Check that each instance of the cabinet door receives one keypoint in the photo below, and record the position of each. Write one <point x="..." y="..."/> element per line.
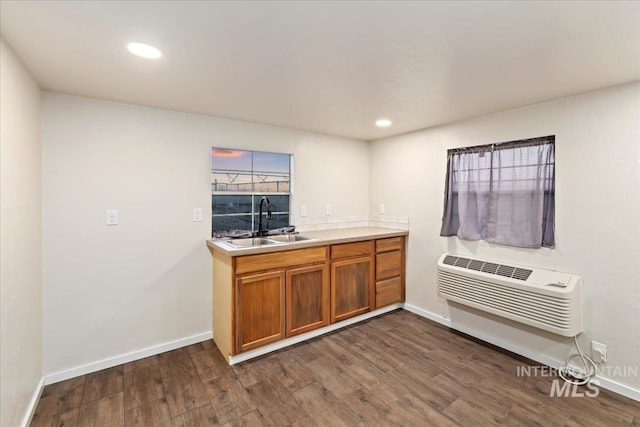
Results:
<point x="352" y="290"/>
<point x="259" y="310"/>
<point x="307" y="299"/>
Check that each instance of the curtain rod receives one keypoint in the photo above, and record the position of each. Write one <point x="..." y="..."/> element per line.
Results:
<point x="502" y="145"/>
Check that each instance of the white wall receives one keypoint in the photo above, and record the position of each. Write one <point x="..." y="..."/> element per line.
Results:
<point x="597" y="214"/>
<point x="110" y="290"/>
<point x="113" y="290"/>
<point x="21" y="242"/>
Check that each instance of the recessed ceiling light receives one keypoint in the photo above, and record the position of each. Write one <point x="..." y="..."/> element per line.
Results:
<point x="383" y="123"/>
<point x="144" y="50"/>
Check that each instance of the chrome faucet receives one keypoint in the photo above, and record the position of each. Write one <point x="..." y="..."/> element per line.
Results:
<point x="262" y="232"/>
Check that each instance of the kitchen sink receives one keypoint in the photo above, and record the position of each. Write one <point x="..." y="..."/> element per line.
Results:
<point x="254" y="242"/>
<point x="250" y="242"/>
<point x="289" y="238"/>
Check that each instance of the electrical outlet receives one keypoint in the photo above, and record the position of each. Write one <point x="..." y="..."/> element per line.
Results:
<point x="329" y="210"/>
<point x="112" y="217"/>
<point x="598" y="352"/>
<point x="381" y="209"/>
<point x="303" y="210"/>
<point x="197" y="214"/>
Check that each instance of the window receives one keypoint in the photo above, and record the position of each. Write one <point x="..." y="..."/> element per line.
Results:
<point x="239" y="179"/>
<point x="502" y="193"/>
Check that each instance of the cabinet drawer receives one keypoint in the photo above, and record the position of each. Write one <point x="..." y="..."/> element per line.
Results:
<point x="280" y="260"/>
<point x="388" y="264"/>
<point x="391" y="244"/>
<point x="388" y="291"/>
<point x="346" y="250"/>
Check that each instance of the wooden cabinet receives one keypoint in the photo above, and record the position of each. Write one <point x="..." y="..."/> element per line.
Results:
<point x="266" y="297"/>
<point x="260" y="308"/>
<point x="307" y="299"/>
<point x="262" y="298"/>
<point x="352" y="273"/>
<point x="390" y="264"/>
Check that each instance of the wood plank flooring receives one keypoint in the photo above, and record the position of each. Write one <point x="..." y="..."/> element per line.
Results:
<point x="395" y="370"/>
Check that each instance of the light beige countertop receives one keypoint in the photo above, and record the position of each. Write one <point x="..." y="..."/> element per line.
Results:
<point x="319" y="238"/>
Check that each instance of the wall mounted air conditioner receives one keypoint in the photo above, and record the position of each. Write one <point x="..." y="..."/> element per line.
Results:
<point x="545" y="299"/>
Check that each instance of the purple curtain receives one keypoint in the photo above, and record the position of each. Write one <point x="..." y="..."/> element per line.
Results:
<point x="502" y="193"/>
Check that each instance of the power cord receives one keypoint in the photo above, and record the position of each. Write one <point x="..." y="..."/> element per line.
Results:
<point x="575" y="376"/>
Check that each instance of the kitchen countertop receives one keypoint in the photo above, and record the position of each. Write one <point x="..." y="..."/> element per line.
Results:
<point x="320" y="238"/>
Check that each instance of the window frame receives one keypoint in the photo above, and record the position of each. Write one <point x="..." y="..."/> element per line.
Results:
<point x="254" y="194"/>
<point x="452" y="222"/>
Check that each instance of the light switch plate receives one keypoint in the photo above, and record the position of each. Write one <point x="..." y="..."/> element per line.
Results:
<point x="112" y="217"/>
<point x="303" y="210"/>
<point x="381" y="209"/>
<point x="197" y="214"/>
<point x="329" y="210"/>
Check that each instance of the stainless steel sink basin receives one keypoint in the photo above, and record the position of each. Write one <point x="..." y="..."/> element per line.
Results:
<point x="250" y="242"/>
<point x="289" y="238"/>
<point x="254" y="242"/>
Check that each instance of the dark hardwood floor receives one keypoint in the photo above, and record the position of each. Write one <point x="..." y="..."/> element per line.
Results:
<point x="395" y="370"/>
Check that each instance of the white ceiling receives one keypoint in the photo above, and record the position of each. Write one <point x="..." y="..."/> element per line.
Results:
<point x="331" y="67"/>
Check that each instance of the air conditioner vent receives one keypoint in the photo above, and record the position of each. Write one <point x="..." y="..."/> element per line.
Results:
<point x="488" y="267"/>
<point x="505" y="270"/>
<point x="517" y="293"/>
<point x="462" y="262"/>
<point x="450" y="260"/>
<point x="475" y="265"/>
<point x="522" y="274"/>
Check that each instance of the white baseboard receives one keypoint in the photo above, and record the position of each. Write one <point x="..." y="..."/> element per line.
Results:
<point x="603" y="382"/>
<point x="124" y="358"/>
<point x="31" y="409"/>
<point x="606" y="383"/>
<point x="427" y="314"/>
<point x="616" y="387"/>
<point x="150" y="351"/>
<point x="308" y="335"/>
